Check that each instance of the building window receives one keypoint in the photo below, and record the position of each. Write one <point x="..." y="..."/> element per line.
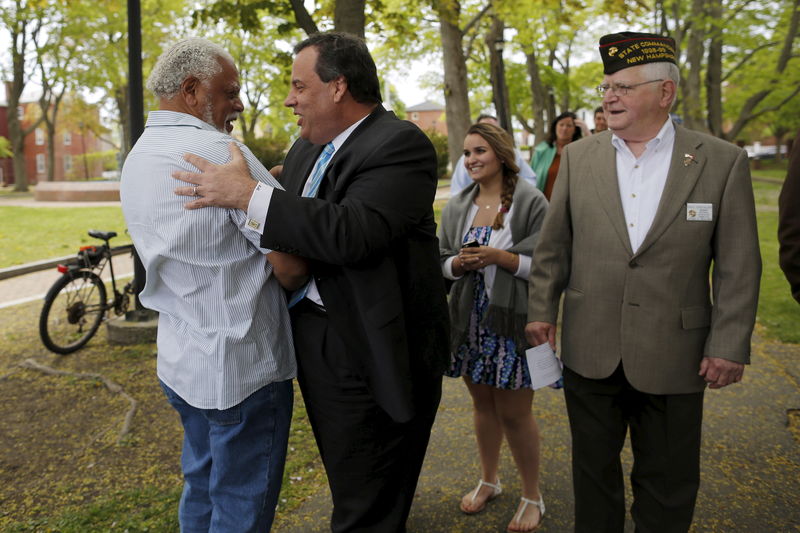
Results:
<point x="39" y="136"/>
<point x="67" y="138"/>
<point x="67" y="162"/>
<point x="414" y="116"/>
<point x="40" y="164"/>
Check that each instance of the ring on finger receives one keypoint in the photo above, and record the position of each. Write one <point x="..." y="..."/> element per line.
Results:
<point x="194" y="191"/>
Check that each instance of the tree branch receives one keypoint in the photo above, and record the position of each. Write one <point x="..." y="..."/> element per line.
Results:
<point x="303" y="18"/>
<point x="747" y="57"/>
<point x="109" y="384"/>
<point x="476" y="18"/>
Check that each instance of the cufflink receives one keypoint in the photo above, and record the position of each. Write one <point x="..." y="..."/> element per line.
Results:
<point x="255" y="224"/>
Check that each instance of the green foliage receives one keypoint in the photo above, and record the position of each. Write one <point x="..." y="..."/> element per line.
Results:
<point x="246" y="14"/>
<point x="584" y="79"/>
<point x="108" y="157"/>
<point x="269" y="150"/>
<point x="442" y="153"/>
<point x="5" y="147"/>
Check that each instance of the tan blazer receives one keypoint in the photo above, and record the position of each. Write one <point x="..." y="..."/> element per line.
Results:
<point x="690" y="290"/>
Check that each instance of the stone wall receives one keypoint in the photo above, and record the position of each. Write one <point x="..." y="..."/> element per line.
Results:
<point x="77" y="191"/>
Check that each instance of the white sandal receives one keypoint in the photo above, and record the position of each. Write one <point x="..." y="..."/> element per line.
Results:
<point x="497" y="489"/>
<point x="525" y="502"/>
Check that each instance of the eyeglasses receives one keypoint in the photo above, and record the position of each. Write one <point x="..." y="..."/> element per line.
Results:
<point x="620" y="89"/>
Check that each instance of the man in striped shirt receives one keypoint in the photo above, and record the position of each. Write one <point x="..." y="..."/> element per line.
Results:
<point x="225" y="352"/>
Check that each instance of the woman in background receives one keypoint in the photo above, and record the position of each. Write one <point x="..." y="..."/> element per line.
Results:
<point x="547" y="155"/>
<point x="487" y="235"/>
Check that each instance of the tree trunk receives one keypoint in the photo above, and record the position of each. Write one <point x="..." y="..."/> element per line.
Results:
<point x="13" y="93"/>
<point x="538" y="99"/>
<point x="121" y="98"/>
<point x="303" y="18"/>
<point x="456" y="96"/>
<point x="695" y="50"/>
<point x="494" y="43"/>
<point x="51" y="150"/>
<point x="18" y="147"/>
<point x="714" y="72"/>
<point x="348" y="16"/>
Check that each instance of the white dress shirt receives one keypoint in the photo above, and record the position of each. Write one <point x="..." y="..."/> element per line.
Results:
<point x="223" y="329"/>
<point x="641" y="181"/>
<point x="499" y="238"/>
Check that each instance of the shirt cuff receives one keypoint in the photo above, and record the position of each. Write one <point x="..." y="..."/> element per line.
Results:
<point x="447" y="268"/>
<point x="258" y="207"/>
<point x="524" y="267"/>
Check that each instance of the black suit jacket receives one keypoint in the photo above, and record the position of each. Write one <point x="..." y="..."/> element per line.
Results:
<point x="371" y="239"/>
<point x="789" y="221"/>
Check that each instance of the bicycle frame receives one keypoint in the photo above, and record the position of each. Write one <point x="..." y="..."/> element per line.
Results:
<point x="84" y="262"/>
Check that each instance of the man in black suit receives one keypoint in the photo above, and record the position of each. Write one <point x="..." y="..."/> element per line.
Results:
<point x="789" y="221"/>
<point x="371" y="332"/>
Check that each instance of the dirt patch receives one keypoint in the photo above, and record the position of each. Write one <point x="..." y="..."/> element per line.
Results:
<point x="59" y="455"/>
<point x="58" y="442"/>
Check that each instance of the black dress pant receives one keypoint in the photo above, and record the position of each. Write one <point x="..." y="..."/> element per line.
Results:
<point x="372" y="462"/>
<point x="665" y="439"/>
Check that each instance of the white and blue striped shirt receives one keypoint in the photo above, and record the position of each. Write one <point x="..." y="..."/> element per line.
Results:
<point x="223" y="329"/>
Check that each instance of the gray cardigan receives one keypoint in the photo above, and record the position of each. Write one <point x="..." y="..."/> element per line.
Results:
<point x="508" y="303"/>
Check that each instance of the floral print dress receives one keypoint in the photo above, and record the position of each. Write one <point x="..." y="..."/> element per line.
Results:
<point x="487" y="358"/>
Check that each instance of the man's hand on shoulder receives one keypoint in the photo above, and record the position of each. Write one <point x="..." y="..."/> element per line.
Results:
<point x="719" y="372"/>
<point x="228" y="185"/>
<point x="541" y="332"/>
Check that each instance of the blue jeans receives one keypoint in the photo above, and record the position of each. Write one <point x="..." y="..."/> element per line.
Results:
<point x="233" y="461"/>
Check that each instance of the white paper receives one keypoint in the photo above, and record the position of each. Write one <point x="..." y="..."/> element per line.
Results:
<point x="543" y="366"/>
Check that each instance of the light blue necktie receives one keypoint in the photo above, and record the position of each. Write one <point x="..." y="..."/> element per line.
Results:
<point x="311" y="191"/>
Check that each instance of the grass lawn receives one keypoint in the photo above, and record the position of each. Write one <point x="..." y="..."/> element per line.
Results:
<point x="33" y="233"/>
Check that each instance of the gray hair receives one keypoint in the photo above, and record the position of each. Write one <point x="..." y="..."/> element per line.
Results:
<point x="665" y="71"/>
<point x="190" y="57"/>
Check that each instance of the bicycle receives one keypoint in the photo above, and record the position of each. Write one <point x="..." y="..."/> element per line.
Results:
<point x="76" y="304"/>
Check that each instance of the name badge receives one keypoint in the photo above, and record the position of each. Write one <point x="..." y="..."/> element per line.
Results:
<point x="699" y="212"/>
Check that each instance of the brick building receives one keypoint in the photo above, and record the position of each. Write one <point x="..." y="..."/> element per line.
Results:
<point x="428" y="116"/>
<point x="71" y="149"/>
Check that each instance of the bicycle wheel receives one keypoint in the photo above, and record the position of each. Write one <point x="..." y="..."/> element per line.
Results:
<point x="72" y="312"/>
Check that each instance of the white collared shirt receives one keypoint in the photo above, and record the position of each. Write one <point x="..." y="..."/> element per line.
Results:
<point x="223" y="328"/>
<point x="262" y="195"/>
<point x="641" y="181"/>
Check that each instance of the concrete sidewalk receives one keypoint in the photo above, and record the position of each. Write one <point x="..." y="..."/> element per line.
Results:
<point x="750" y="460"/>
<point x="34" y="286"/>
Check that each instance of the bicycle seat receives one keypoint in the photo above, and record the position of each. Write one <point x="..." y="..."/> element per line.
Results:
<point x="105" y="235"/>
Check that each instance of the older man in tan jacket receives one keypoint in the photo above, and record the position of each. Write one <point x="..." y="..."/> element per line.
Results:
<point x="651" y="237"/>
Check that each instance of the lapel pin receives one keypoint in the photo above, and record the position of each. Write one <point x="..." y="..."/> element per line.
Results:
<point x="688" y="158"/>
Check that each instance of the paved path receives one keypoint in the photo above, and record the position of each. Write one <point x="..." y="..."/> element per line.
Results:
<point x="34" y="286"/>
<point x="750" y="460"/>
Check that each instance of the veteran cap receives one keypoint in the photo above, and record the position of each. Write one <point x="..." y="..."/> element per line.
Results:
<point x="628" y="49"/>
